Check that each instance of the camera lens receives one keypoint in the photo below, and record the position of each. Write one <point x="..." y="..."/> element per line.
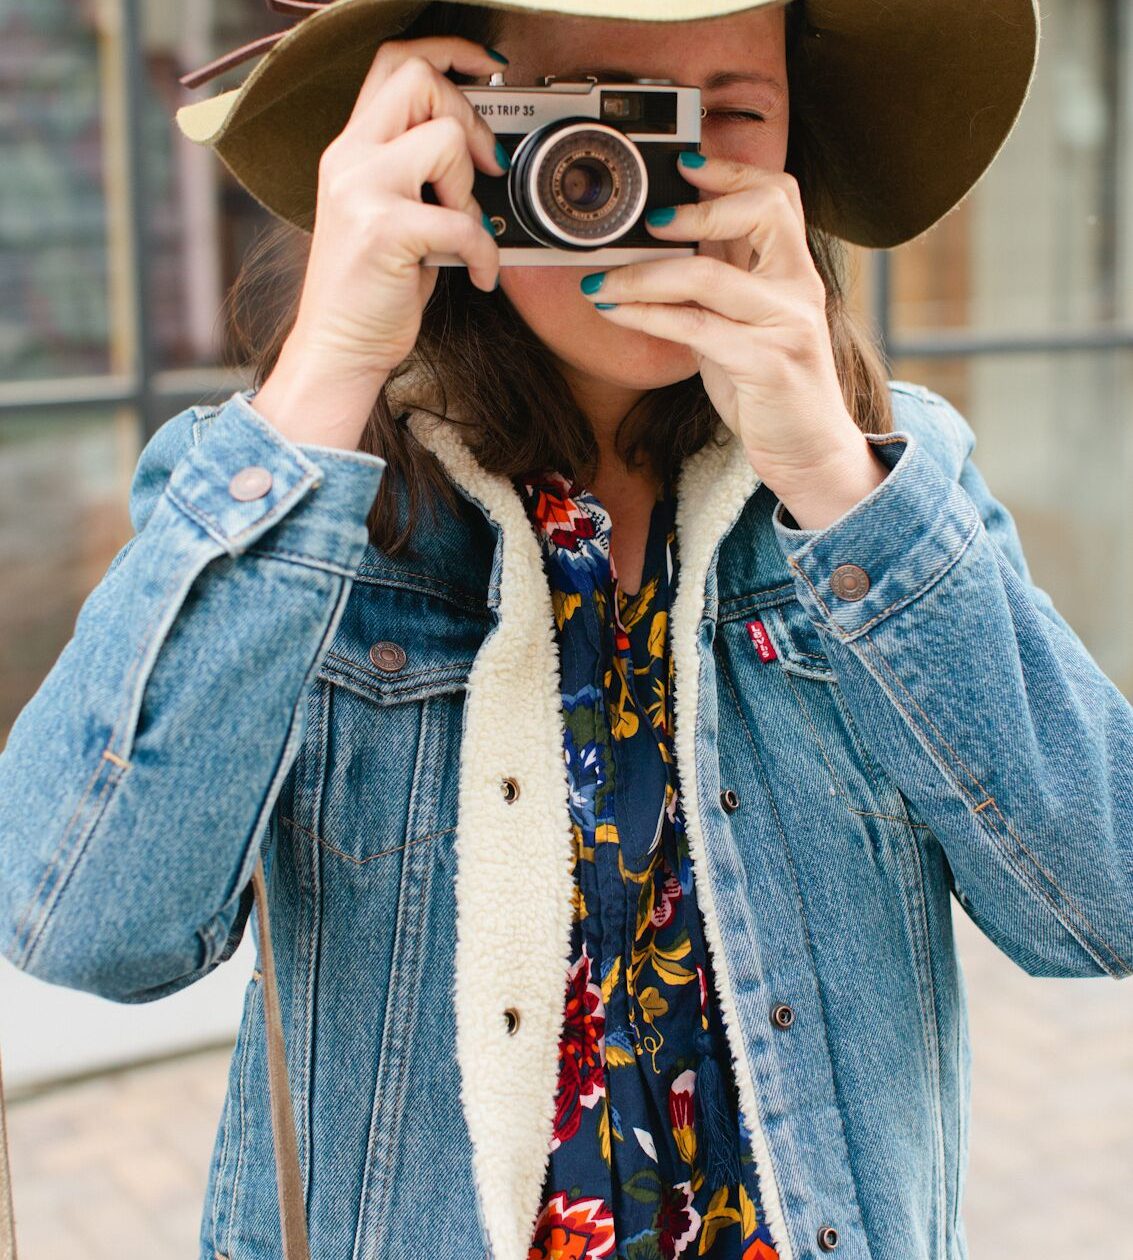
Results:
<point x="578" y="183"/>
<point x="586" y="184"/>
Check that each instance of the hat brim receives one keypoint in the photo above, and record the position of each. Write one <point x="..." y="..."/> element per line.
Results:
<point x="913" y="101"/>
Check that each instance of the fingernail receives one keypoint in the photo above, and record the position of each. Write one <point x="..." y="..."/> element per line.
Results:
<point x="502" y="156"/>
<point x="487" y="224"/>
<point x="658" y="218"/>
<point x="497" y="55"/>
<point x="605" y="306"/>
<point x="689" y="158"/>
<point x="593" y="282"/>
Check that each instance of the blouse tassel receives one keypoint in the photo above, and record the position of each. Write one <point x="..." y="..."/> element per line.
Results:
<point x="716" y="1124"/>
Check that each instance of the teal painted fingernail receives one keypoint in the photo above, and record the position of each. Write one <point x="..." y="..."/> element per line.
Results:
<point x="689" y="158"/>
<point x="593" y="282"/>
<point x="487" y="224"/>
<point x="498" y="55"/>
<point x="502" y="156"/>
<point x="658" y="218"/>
<point x="605" y="306"/>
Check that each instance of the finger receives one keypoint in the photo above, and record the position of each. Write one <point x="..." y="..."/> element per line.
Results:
<point x="709" y="334"/>
<point x="433" y="152"/>
<point x="415" y="91"/>
<point x="713" y="283"/>
<point x="421" y="229"/>
<point x="763" y="215"/>
<point x="445" y="52"/>
<point x="721" y="175"/>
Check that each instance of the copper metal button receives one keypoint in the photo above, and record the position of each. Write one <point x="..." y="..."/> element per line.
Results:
<point x="510" y="789"/>
<point x="848" y="581"/>
<point x="782" y="1016"/>
<point x="828" y="1238"/>
<point x="252" y="482"/>
<point x="389" y="657"/>
<point x="729" y="800"/>
<point x="511" y="1018"/>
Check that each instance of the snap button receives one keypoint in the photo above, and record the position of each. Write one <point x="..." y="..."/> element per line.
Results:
<point x="511" y="1018"/>
<point x="510" y="789"/>
<point x="782" y="1016"/>
<point x="729" y="800"/>
<point x="828" y="1238"/>
<point x="848" y="581"/>
<point x="389" y="657"/>
<point x="252" y="482"/>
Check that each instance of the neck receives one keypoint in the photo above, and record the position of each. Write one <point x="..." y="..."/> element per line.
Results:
<point x="605" y="404"/>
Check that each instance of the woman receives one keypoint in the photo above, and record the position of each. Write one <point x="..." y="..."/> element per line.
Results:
<point x="794" y="649"/>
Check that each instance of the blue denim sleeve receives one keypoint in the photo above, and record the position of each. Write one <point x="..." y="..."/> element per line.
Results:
<point x="137" y="783"/>
<point x="980" y="700"/>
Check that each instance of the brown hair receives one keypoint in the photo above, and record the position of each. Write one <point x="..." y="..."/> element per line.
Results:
<point x="475" y="353"/>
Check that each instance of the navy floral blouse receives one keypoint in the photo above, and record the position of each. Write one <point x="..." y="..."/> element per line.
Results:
<point x="649" y="1158"/>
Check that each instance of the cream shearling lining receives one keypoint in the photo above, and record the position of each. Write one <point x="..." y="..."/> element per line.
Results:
<point x="514" y="884"/>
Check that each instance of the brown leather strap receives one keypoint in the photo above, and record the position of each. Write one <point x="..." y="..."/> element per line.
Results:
<point x="297" y="8"/>
<point x="234" y="58"/>
<point x="7" y="1217"/>
<point x="292" y="1201"/>
<point x="237" y="57"/>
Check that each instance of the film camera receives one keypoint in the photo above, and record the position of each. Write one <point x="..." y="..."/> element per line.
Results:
<point x="588" y="159"/>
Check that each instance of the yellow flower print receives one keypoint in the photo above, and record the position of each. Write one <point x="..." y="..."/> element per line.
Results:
<point x="716" y="1218"/>
<point x="565" y="604"/>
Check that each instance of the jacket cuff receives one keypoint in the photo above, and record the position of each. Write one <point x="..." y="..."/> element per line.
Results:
<point x="314" y="499"/>
<point x="903" y="536"/>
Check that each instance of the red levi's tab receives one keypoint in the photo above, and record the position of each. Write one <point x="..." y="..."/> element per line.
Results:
<point x="762" y="641"/>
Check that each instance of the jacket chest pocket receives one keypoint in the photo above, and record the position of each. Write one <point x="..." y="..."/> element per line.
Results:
<point x="811" y="724"/>
<point x="384" y="730"/>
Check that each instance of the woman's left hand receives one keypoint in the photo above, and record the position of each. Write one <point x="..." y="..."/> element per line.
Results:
<point x="759" y="333"/>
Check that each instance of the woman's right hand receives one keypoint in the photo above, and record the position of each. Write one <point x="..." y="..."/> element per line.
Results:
<point x="365" y="288"/>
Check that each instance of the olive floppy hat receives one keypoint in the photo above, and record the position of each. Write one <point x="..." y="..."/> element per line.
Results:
<point x="914" y="97"/>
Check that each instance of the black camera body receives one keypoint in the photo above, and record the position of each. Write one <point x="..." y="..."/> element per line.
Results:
<point x="588" y="159"/>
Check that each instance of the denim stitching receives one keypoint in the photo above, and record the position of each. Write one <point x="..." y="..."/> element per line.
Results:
<point x="728" y="682"/>
<point x="1070" y="903"/>
<point x="862" y="744"/>
<point x="817" y="737"/>
<point x="240" y="1144"/>
<point x="56" y="866"/>
<point x="222" y="1168"/>
<point x="926" y="995"/>
<point x="864" y="813"/>
<point x="792" y="642"/>
<point x="298" y="557"/>
<point x="384" y="577"/>
<point x="401" y="678"/>
<point x="52" y="862"/>
<point x="370" y="857"/>
<point x="900" y="601"/>
<point x="737" y="606"/>
<point x="279" y="508"/>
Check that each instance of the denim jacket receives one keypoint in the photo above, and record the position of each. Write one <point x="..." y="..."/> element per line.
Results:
<point x="870" y="719"/>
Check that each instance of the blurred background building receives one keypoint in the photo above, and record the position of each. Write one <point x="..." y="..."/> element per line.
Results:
<point x="118" y="242"/>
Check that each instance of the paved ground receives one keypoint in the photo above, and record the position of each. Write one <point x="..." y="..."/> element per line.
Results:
<point x="116" y="1166"/>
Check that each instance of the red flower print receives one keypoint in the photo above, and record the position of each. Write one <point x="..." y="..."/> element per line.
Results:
<point x="559" y="516"/>
<point x="666" y="894"/>
<point x="759" y="1250"/>
<point x="582" y="1051"/>
<point x="578" y="1230"/>
<point x="702" y="976"/>
<point x="677" y="1222"/>
<point x="682" y="1114"/>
